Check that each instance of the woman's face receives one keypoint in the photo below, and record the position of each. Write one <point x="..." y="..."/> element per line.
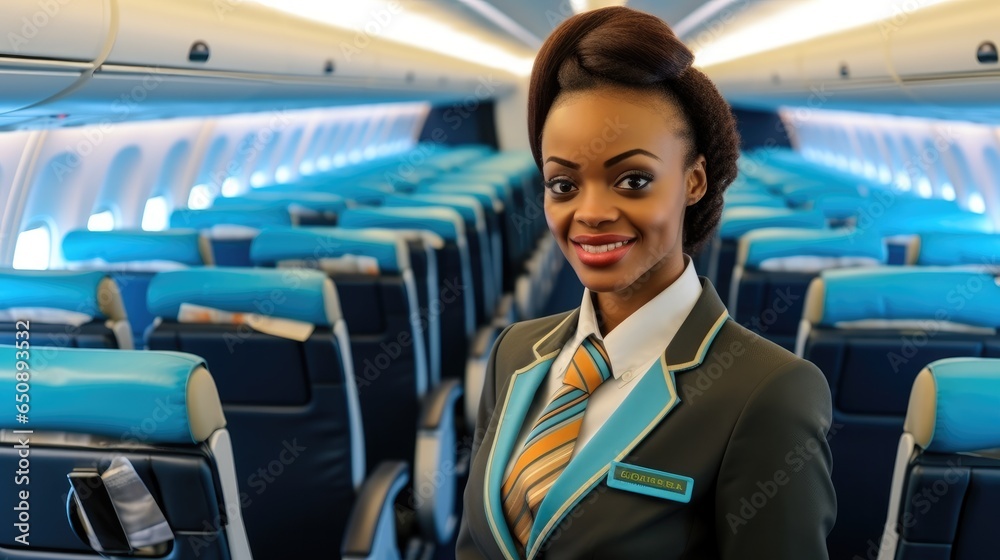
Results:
<point x="616" y="186"/>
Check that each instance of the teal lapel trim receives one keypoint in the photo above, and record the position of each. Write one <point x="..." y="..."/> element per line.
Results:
<point x="521" y="391"/>
<point x="519" y="396"/>
<point x="648" y="403"/>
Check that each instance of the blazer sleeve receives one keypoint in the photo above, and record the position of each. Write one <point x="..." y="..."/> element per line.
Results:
<point x="466" y="546"/>
<point x="774" y="495"/>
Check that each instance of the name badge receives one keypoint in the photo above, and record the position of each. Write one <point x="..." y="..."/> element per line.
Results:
<point x="658" y="484"/>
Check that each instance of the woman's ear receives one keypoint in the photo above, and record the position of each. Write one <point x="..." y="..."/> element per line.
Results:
<point x="697" y="180"/>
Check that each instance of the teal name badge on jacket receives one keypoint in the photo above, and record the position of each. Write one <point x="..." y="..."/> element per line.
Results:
<point x="658" y="484"/>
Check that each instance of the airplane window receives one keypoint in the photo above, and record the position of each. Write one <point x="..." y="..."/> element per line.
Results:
<point x="200" y="198"/>
<point x="101" y="221"/>
<point x="154" y="217"/>
<point x="231" y="187"/>
<point x="33" y="249"/>
<point x="284" y="172"/>
<point x="976" y="203"/>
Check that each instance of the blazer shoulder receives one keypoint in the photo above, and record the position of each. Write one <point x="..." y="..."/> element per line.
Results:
<point x="762" y="360"/>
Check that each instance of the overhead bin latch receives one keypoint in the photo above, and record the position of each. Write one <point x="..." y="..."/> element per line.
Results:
<point x="199" y="52"/>
<point x="987" y="52"/>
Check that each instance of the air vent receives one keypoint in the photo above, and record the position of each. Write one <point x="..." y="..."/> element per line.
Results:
<point x="987" y="53"/>
<point x="199" y="52"/>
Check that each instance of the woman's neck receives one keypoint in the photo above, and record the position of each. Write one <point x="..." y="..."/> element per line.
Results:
<point x="612" y="308"/>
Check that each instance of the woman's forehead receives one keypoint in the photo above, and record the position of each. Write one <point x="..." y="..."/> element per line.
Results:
<point x="610" y="117"/>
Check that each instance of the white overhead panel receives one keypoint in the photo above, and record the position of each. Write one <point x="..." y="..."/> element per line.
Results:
<point x="47" y="47"/>
<point x="130" y="60"/>
<point x="858" y="53"/>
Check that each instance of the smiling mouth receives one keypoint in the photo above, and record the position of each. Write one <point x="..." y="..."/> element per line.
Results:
<point x="598" y="249"/>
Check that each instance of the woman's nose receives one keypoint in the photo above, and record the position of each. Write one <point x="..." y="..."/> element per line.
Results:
<point x="595" y="206"/>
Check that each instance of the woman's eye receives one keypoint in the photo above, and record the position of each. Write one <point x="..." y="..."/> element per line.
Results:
<point x="559" y="186"/>
<point x="634" y="182"/>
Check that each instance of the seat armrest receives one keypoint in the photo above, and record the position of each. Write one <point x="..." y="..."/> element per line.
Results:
<point x="371" y="529"/>
<point x="475" y="371"/>
<point x="436" y="467"/>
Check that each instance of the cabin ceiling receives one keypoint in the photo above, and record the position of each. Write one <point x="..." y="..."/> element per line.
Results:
<point x="539" y="17"/>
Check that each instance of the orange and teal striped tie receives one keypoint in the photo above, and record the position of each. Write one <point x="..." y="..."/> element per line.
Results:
<point x="550" y="443"/>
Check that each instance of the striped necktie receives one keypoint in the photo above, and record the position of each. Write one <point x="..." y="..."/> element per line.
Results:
<point x="550" y="443"/>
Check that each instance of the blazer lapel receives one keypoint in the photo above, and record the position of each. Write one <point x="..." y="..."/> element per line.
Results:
<point x="521" y="389"/>
<point x="644" y="408"/>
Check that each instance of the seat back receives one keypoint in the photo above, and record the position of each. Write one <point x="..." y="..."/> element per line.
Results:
<point x="290" y="397"/>
<point x="132" y="258"/>
<point x="380" y="306"/>
<point x="478" y="238"/>
<point x="869" y="331"/>
<point x="110" y="421"/>
<point x="910" y="216"/>
<point x="774" y="267"/>
<point x="945" y="497"/>
<point x="737" y="221"/>
<point x="949" y="248"/>
<point x="76" y="309"/>
<point x="231" y="230"/>
<point x="454" y="303"/>
<point x="307" y="208"/>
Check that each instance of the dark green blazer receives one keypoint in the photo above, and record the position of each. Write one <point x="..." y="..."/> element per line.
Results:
<point x="743" y="418"/>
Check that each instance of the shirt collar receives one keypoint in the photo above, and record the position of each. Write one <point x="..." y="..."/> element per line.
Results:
<point x="644" y="334"/>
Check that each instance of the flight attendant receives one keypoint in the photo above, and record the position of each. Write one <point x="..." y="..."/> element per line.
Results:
<point x="645" y="423"/>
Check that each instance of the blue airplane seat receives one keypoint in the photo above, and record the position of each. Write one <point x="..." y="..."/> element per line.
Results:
<point x="280" y="354"/>
<point x="307" y="208"/>
<point x="900" y="219"/>
<point x="495" y="208"/>
<point x="945" y="496"/>
<point x="132" y="258"/>
<point x="774" y="267"/>
<point x="478" y="237"/>
<point x="118" y="431"/>
<point x="378" y="293"/>
<point x="231" y="230"/>
<point x="871" y="331"/>
<point x="63" y="308"/>
<point x="453" y="302"/>
<point x="949" y="248"/>
<point x="737" y="221"/>
<point x="512" y="224"/>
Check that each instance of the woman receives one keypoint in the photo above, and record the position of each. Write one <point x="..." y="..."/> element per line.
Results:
<point x="646" y="423"/>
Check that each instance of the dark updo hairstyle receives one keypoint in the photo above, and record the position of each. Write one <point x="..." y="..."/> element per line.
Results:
<point x="624" y="48"/>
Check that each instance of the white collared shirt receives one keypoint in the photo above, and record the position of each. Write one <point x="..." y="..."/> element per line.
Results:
<point x="633" y="347"/>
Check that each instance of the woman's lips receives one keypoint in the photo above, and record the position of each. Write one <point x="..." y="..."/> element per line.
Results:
<point x="602" y="250"/>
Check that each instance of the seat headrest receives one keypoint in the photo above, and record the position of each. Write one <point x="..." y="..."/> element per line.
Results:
<point x="489" y="195"/>
<point x="467" y="206"/>
<point x="90" y="293"/>
<point x="445" y="222"/>
<point x="904" y="293"/>
<point x="185" y="247"/>
<point x="955" y="406"/>
<point x="142" y="397"/>
<point x="315" y="243"/>
<point x="498" y="179"/>
<point x="958" y="249"/>
<point x="901" y="221"/>
<point x="298" y="294"/>
<point x="250" y="218"/>
<point x="287" y="200"/>
<point x="762" y="248"/>
<point x="760" y="200"/>
<point x="740" y="220"/>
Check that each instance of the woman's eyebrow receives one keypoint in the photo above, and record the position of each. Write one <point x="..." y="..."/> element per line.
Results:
<point x="563" y="162"/>
<point x="629" y="154"/>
